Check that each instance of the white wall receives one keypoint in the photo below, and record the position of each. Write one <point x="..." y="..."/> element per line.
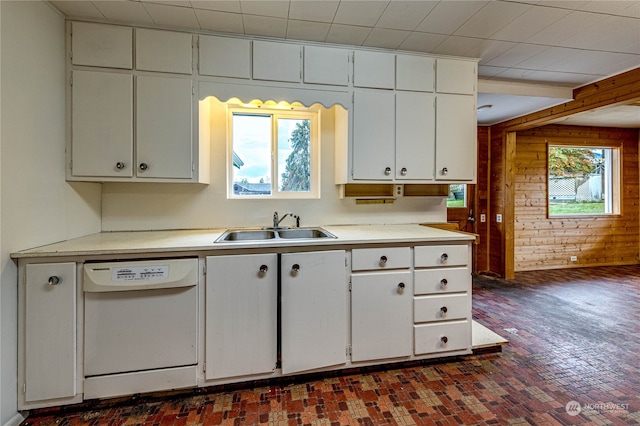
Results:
<point x="37" y="205"/>
<point x="144" y="206"/>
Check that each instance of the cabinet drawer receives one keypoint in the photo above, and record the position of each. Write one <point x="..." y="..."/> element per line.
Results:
<point x="441" y="307"/>
<point x="380" y="258"/>
<point x="442" y="280"/>
<point x="449" y="255"/>
<point x="442" y="337"/>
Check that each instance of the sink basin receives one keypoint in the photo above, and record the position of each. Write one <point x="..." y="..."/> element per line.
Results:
<point x="302" y="233"/>
<point x="241" y="235"/>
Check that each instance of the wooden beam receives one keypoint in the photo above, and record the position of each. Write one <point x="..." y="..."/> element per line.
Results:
<point x="617" y="90"/>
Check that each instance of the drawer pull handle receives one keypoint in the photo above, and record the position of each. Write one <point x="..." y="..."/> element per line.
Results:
<point x="295" y="267"/>
<point x="54" y="280"/>
<point x="443" y="310"/>
<point x="444" y="257"/>
<point x="144" y="166"/>
<point x="444" y="282"/>
<point x="383" y="260"/>
<point x="401" y="286"/>
<point x="120" y="165"/>
<point x="444" y="171"/>
<point x="444" y="340"/>
<point x="403" y="172"/>
<point x="263" y="269"/>
<point x="387" y="171"/>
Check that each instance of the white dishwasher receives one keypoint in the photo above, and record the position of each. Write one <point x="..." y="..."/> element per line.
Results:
<point x="140" y="326"/>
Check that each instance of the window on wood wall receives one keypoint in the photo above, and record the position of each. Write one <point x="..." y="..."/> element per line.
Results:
<point x="583" y="180"/>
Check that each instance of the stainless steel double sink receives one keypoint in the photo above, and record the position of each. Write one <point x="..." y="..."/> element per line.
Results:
<point x="273" y="234"/>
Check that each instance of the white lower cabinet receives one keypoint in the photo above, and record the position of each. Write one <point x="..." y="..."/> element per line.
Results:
<point x="241" y="315"/>
<point x="314" y="310"/>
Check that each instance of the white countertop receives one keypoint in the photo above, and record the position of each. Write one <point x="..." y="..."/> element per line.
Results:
<point x="112" y="243"/>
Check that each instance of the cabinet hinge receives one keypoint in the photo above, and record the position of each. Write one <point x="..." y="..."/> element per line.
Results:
<point x="71" y="81"/>
<point x="349" y="285"/>
<point x="204" y="269"/>
<point x="348" y="350"/>
<point x="24" y="387"/>
<point x="204" y="366"/>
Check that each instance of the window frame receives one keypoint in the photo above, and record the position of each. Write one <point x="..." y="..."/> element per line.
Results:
<point x="614" y="182"/>
<point x="464" y="199"/>
<point x="287" y="112"/>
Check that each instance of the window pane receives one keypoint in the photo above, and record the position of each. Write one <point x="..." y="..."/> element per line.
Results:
<point x="251" y="154"/>
<point x="294" y="160"/>
<point x="457" y="195"/>
<point x="580" y="180"/>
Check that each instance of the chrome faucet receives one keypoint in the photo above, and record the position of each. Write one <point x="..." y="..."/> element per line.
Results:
<point x="277" y="220"/>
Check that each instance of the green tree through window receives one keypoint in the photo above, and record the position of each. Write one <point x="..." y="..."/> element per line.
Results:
<point x="297" y="170"/>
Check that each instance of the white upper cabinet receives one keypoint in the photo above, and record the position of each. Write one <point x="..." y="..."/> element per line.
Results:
<point x="374" y="69"/>
<point x="100" y="45"/>
<point x="277" y="61"/>
<point x="164" y="127"/>
<point x="456" y="135"/>
<point x="163" y="51"/>
<point x="325" y="65"/>
<point x="225" y="57"/>
<point x="102" y="125"/>
<point x="456" y="76"/>
<point x="415" y="73"/>
<point x="415" y="136"/>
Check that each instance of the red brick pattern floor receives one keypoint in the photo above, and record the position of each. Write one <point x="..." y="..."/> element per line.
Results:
<point x="573" y="358"/>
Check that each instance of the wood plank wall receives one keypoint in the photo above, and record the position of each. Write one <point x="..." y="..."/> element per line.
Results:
<point x="482" y="202"/>
<point x="497" y="190"/>
<point x="544" y="243"/>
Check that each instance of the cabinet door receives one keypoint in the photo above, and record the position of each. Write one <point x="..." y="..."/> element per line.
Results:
<point x="165" y="51"/>
<point x="373" y="135"/>
<point x="50" y="331"/>
<point x="456" y="139"/>
<point x="381" y="322"/>
<point x="325" y="65"/>
<point x="225" y="57"/>
<point x="241" y="315"/>
<point x="164" y="127"/>
<point x="416" y="73"/>
<point x="276" y="61"/>
<point x="100" y="45"/>
<point x="314" y="310"/>
<point x="102" y="124"/>
<point x="374" y="69"/>
<point x="456" y="76"/>
<point x="415" y="136"/>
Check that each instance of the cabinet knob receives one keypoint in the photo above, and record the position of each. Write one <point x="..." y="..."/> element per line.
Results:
<point x="383" y="260"/>
<point x="401" y="286"/>
<point x="443" y="310"/>
<point x="444" y="171"/>
<point x="120" y="165"/>
<point x="295" y="267"/>
<point x="444" y="257"/>
<point x="143" y="166"/>
<point x="444" y="340"/>
<point x="403" y="171"/>
<point x="444" y="282"/>
<point x="54" y="280"/>
<point x="387" y="171"/>
<point x="263" y="269"/>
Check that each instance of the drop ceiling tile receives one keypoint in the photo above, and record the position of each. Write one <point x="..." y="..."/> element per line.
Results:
<point x="273" y="8"/>
<point x="487" y="71"/>
<point x="516" y="55"/>
<point x="601" y="63"/>
<point x="530" y="23"/>
<point x="78" y="9"/>
<point x="405" y="15"/>
<point x="307" y="30"/>
<point x="564" y="4"/>
<point x="546" y="59"/>
<point x="264" y="26"/>
<point x="385" y="38"/>
<point x="457" y="46"/>
<point x="486" y="50"/>
<point x="360" y="14"/>
<point x="313" y="10"/>
<point x="572" y="24"/>
<point x="180" y="3"/>
<point x="422" y="42"/>
<point x="491" y="18"/>
<point x="232" y="6"/>
<point x="614" y="34"/>
<point x="132" y="12"/>
<point x="347" y="34"/>
<point x="570" y="79"/>
<point x="617" y="7"/>
<point x="448" y="16"/>
<point x="172" y="16"/>
<point x="220" y="21"/>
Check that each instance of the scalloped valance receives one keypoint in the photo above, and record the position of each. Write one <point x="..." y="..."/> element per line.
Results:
<point x="246" y="93"/>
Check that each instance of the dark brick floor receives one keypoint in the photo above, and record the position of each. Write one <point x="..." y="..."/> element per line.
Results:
<point x="573" y="358"/>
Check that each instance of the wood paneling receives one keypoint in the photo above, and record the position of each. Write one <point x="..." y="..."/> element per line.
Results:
<point x="546" y="243"/>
